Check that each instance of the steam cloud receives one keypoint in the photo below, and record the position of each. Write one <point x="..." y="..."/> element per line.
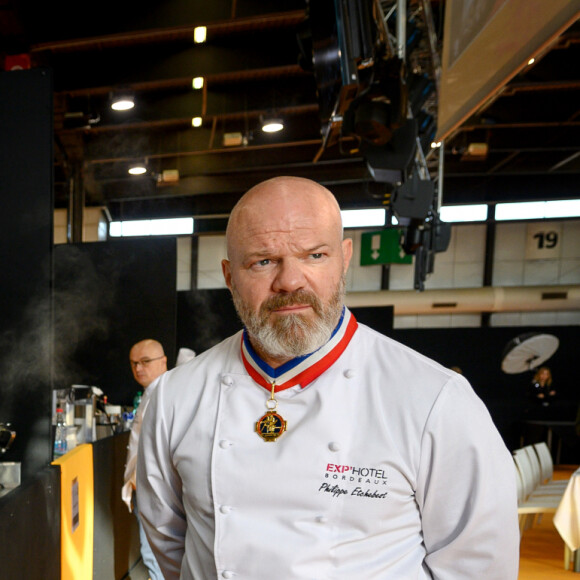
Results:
<point x="41" y="348"/>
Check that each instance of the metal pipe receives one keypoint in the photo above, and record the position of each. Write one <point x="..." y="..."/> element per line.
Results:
<point x="472" y="300"/>
<point x="440" y="172"/>
<point x="401" y="28"/>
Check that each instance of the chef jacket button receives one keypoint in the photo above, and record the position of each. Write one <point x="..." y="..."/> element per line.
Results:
<point x="225" y="509"/>
<point x="348" y="373"/>
<point x="227" y="380"/>
<point x="227" y="574"/>
<point x="224" y="444"/>
<point x="334" y="446"/>
<point x="321" y="519"/>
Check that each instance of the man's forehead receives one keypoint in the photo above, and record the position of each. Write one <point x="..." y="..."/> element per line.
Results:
<point x="270" y="215"/>
<point x="305" y="233"/>
<point x="144" y="351"/>
<point x="280" y="223"/>
<point x="285" y="218"/>
<point x="298" y="200"/>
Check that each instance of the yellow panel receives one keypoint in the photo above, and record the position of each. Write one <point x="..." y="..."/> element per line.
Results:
<point x="76" y="512"/>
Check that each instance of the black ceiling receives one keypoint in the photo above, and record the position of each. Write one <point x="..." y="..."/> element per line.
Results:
<point x="257" y="60"/>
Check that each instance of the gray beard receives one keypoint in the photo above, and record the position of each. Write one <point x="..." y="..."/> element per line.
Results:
<point x="291" y="335"/>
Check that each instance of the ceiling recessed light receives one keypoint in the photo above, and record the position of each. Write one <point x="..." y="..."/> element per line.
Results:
<point x="272" y="125"/>
<point x="197" y="83"/>
<point x="122" y="101"/>
<point x="137" y="169"/>
<point x="199" y="34"/>
<point x="196" y="122"/>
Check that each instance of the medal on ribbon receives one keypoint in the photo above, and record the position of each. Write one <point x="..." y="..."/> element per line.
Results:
<point x="271" y="425"/>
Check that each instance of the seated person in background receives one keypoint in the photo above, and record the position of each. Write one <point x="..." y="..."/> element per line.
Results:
<point x="541" y="390"/>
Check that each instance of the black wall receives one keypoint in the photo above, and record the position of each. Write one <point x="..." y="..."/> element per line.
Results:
<point x="378" y="317"/>
<point x="205" y="318"/>
<point x="478" y="352"/>
<point x="26" y="231"/>
<point x="107" y="297"/>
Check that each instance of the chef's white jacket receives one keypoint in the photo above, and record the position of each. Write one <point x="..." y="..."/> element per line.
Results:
<point x="391" y="468"/>
<point x="130" y="474"/>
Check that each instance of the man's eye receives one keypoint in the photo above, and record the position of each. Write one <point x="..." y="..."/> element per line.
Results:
<point x="316" y="256"/>
<point x="262" y="262"/>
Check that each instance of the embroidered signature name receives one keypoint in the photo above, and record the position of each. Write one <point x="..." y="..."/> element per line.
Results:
<point x="337" y="491"/>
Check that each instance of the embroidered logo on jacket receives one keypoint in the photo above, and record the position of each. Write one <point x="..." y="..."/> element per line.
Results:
<point x="363" y="482"/>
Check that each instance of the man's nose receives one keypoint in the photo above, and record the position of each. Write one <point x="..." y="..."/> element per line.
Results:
<point x="289" y="276"/>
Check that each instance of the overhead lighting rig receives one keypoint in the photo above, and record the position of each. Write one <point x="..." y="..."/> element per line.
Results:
<point x="368" y="90"/>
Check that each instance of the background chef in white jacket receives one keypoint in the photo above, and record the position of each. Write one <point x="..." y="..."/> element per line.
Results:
<point x="308" y="446"/>
<point x="148" y="362"/>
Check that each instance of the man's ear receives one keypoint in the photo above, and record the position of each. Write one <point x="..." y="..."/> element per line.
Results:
<point x="346" y="253"/>
<point x="227" y="272"/>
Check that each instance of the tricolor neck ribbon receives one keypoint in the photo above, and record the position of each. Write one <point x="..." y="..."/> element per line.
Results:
<point x="304" y="369"/>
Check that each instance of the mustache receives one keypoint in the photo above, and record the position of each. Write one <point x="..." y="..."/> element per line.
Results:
<point x="298" y="298"/>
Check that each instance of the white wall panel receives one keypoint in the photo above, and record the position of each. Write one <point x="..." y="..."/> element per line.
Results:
<point x="211" y="251"/>
<point x="364" y="278"/>
<point x="506" y="319"/>
<point x="184" y="263"/>
<point x="571" y="239"/>
<point x="541" y="272"/>
<point x="510" y="241"/>
<point x="442" y="276"/>
<point x="568" y="318"/>
<point x="401" y="276"/>
<point x="508" y="273"/>
<point x="569" y="271"/>
<point x="207" y="279"/>
<point x="465" y="320"/>
<point x="434" y="321"/>
<point x="405" y="321"/>
<point x="537" y="318"/>
<point x="468" y="275"/>
<point x="470" y="243"/>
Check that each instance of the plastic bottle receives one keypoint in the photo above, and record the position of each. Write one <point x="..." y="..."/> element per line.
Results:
<point x="137" y="400"/>
<point x="60" y="446"/>
<point x="127" y="420"/>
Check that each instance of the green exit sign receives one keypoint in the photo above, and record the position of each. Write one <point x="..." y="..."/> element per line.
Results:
<point x="383" y="247"/>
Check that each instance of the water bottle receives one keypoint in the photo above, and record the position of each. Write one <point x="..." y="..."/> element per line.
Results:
<point x="60" y="434"/>
<point x="136" y="401"/>
<point x="127" y="420"/>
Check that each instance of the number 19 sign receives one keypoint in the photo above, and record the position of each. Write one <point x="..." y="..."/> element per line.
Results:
<point x="543" y="241"/>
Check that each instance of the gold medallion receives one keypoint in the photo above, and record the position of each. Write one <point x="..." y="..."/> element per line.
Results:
<point x="271" y="425"/>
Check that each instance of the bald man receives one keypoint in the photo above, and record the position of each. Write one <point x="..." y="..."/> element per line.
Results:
<point x="308" y="446"/>
<point x="148" y="362"/>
